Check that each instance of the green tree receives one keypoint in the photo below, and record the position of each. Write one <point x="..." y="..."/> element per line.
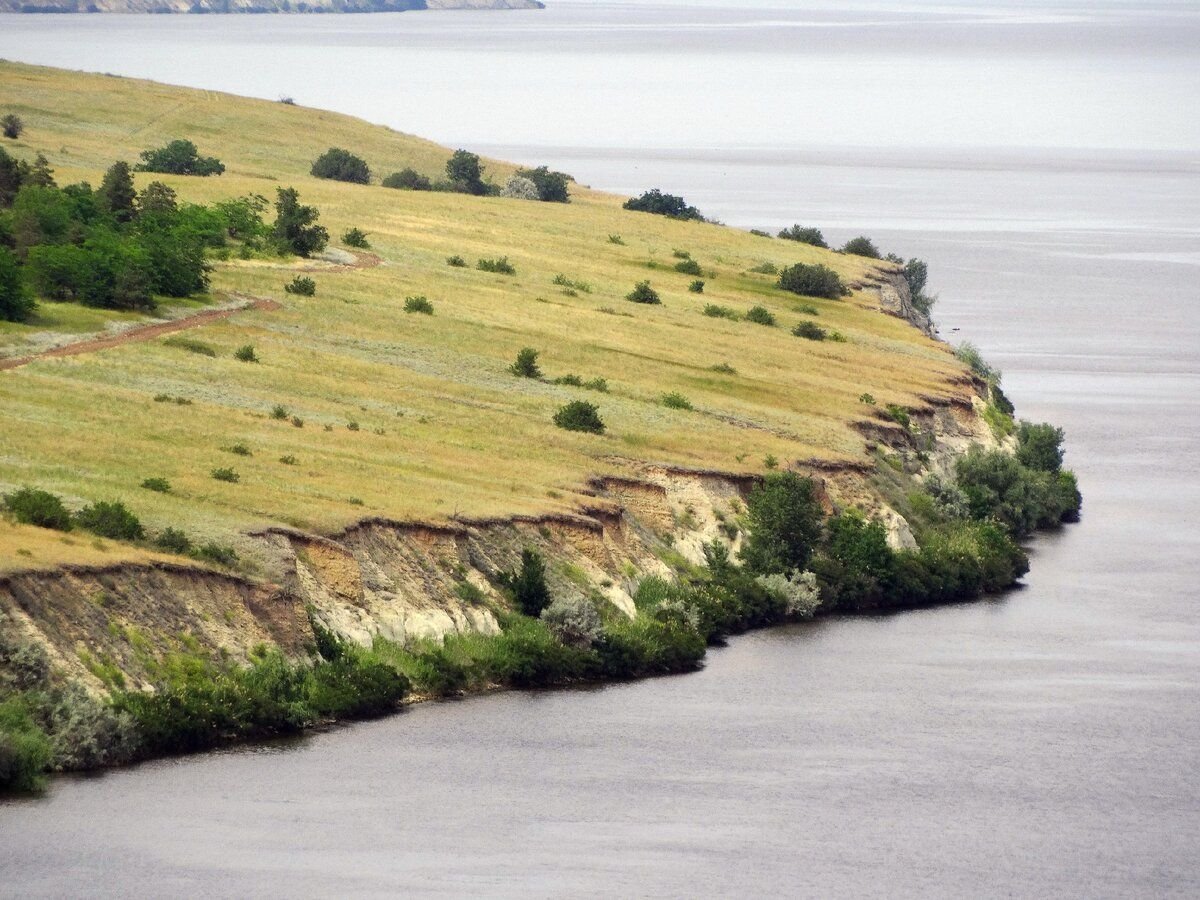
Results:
<point x="117" y="192"/>
<point x="803" y="235"/>
<point x="295" y="224"/>
<point x="40" y="215"/>
<point x="861" y="246"/>
<point x="1040" y="446"/>
<point x="179" y="158"/>
<point x="156" y="199"/>
<point x="528" y="584"/>
<point x="464" y="171"/>
<point x="784" y="518"/>
<point x="341" y="165"/>
<point x="16" y="304"/>
<point x="12" y="173"/>
<point x="551" y="186"/>
<point x="40" y="173"/>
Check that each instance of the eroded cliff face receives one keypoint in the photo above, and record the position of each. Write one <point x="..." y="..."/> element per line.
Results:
<point x="895" y="298"/>
<point x="412" y="580"/>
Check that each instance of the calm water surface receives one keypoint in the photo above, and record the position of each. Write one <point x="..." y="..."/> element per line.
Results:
<point x="1039" y="744"/>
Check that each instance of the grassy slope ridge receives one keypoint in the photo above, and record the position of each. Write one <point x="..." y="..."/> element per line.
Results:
<point x="444" y="429"/>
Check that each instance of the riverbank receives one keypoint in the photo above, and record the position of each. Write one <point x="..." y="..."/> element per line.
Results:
<point x="773" y="431"/>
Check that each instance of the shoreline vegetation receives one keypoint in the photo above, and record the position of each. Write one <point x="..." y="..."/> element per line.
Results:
<point x="918" y="523"/>
<point x="795" y="563"/>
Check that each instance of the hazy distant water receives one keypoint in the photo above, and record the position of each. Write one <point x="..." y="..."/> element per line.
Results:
<point x="1041" y="744"/>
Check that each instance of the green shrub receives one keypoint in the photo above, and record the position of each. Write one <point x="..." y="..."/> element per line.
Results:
<point x="696" y="287"/>
<point x="238" y="450"/>
<point x="579" y="415"/>
<point x="969" y="354"/>
<point x="341" y="165"/>
<point x="688" y="267"/>
<point x="574" y="621"/>
<point x="158" y="485"/>
<point x="501" y="266"/>
<point x="418" y="305"/>
<point x="765" y="268"/>
<point x="809" y="330"/>
<point x="12" y="126"/>
<point x="783" y="518"/>
<point x="173" y="541"/>
<point x="758" y="232"/>
<point x="681" y="254"/>
<point x="527" y="584"/>
<point x="574" y="284"/>
<point x="724" y="369"/>
<point x="198" y="704"/>
<point x="811" y="281"/>
<point x="33" y="506"/>
<point x="1002" y="425"/>
<point x="899" y="415"/>
<point x="245" y="353"/>
<point x="675" y="400"/>
<point x="616" y="239"/>
<point x="526" y="365"/>
<point x="25" y="750"/>
<point x="226" y="474"/>
<point x="715" y="311"/>
<point x="216" y="553"/>
<point x="408" y="180"/>
<point x="179" y="158"/>
<point x="593" y="384"/>
<point x="456" y="262"/>
<point x="643" y="293"/>
<point x="803" y="235"/>
<point x="861" y="246"/>
<point x="110" y="519"/>
<point x="658" y="203"/>
<point x="999" y="487"/>
<point x="807" y="309"/>
<point x="868" y="399"/>
<point x="288" y="459"/>
<point x="302" y="286"/>
<point x="190" y="345"/>
<point x="760" y="315"/>
<point x="356" y="237"/>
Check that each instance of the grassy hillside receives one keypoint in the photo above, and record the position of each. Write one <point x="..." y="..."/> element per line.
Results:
<point x="410" y="416"/>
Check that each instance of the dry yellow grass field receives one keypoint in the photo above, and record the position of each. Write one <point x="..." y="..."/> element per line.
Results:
<point x="443" y="429"/>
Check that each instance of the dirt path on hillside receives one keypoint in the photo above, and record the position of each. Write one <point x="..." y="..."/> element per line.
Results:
<point x="144" y="332"/>
<point x="355" y="259"/>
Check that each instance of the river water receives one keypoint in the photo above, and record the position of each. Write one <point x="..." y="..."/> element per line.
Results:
<point x="1044" y="160"/>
